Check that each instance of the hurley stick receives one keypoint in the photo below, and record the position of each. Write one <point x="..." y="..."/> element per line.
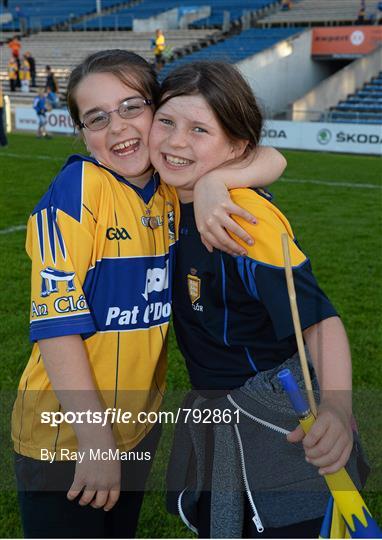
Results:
<point x="297" y="324"/>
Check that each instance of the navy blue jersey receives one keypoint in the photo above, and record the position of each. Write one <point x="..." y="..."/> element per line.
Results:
<point x="232" y="315"/>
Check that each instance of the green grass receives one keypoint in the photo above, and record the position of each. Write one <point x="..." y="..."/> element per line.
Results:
<point x="338" y="227"/>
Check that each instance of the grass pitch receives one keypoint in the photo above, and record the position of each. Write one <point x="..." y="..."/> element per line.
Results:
<point x="334" y="203"/>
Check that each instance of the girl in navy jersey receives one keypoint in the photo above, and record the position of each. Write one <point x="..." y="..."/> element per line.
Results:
<point x="232" y="316"/>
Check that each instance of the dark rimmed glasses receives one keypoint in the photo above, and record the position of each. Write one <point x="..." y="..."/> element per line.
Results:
<point x="129" y="108"/>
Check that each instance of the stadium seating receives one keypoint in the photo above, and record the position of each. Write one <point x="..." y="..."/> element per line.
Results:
<point x="235" y="10"/>
<point x="43" y="14"/>
<point x="313" y="12"/>
<point x="363" y="107"/>
<point x="123" y="18"/>
<point x="63" y="50"/>
<point x="236" y="48"/>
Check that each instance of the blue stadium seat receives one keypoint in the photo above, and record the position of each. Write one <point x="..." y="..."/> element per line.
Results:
<point x="150" y="8"/>
<point x="364" y="107"/>
<point x="43" y="14"/>
<point x="236" y="48"/>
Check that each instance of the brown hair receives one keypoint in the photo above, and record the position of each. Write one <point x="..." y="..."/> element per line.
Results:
<point x="226" y="92"/>
<point x="130" y="68"/>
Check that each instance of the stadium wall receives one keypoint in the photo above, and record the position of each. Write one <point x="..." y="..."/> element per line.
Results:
<point x="284" y="72"/>
<point x="166" y="21"/>
<point x="337" y="87"/>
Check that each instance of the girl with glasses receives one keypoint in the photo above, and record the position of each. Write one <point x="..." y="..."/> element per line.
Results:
<point x="102" y="242"/>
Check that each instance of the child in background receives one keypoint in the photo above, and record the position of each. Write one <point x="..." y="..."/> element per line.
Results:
<point x="13" y="73"/>
<point x="25" y="74"/>
<point x="159" y="45"/>
<point x="41" y="107"/>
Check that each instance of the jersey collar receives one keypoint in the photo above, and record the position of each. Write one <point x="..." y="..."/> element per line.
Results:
<point x="145" y="193"/>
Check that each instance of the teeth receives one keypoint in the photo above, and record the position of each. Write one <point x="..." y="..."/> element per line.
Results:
<point x="177" y="160"/>
<point x="126" y="144"/>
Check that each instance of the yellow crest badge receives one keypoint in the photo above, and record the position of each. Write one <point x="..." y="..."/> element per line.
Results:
<point x="193" y="287"/>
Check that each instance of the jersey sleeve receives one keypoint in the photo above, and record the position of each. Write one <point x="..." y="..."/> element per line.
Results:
<point x="60" y="243"/>
<point x="263" y="273"/>
<point x="59" y="249"/>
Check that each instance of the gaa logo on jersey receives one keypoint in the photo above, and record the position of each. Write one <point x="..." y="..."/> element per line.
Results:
<point x="117" y="234"/>
<point x="50" y="277"/>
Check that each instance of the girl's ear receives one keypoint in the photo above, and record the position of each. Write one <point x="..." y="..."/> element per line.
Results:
<point x="238" y="148"/>
<point x="83" y="138"/>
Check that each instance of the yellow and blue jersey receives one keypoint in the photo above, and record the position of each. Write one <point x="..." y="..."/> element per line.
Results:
<point x="103" y="253"/>
<point x="232" y="315"/>
<point x="160" y="44"/>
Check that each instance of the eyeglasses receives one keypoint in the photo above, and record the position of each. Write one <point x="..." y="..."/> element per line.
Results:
<point x="129" y="108"/>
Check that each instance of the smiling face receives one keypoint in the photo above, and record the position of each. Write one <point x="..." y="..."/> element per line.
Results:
<point x="123" y="144"/>
<point x="187" y="141"/>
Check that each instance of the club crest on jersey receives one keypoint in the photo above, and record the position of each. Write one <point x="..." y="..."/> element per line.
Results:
<point x="193" y="284"/>
<point x="156" y="280"/>
<point x="50" y="279"/>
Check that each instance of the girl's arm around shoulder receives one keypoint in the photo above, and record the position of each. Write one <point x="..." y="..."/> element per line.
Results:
<point x="214" y="207"/>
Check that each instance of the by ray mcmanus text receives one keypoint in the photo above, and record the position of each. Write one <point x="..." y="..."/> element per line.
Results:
<point x="93" y="454"/>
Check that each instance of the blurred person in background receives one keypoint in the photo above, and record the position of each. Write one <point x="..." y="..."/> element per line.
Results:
<point x="13" y="71"/>
<point x="361" y="16"/>
<point x="41" y="106"/>
<point x="159" y="44"/>
<point x="15" y="45"/>
<point x="32" y="66"/>
<point x="286" y="5"/>
<point x="21" y="17"/>
<point x="25" y="74"/>
<point x="3" y="136"/>
<point x="51" y="87"/>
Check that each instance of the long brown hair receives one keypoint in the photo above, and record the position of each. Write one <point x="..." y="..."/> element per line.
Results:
<point x="130" y="68"/>
<point x="226" y="92"/>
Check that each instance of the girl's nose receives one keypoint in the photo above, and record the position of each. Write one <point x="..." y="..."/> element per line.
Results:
<point x="178" y="138"/>
<point x="117" y="123"/>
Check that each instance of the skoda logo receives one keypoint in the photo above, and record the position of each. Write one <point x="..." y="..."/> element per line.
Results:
<point x="324" y="136"/>
<point x="357" y="38"/>
<point x="117" y="234"/>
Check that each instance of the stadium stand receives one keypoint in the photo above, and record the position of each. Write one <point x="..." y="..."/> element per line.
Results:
<point x="235" y="10"/>
<point x="363" y="107"/>
<point x="236" y="48"/>
<point x="123" y="18"/>
<point x="63" y="50"/>
<point x="312" y="13"/>
<point x="45" y="14"/>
